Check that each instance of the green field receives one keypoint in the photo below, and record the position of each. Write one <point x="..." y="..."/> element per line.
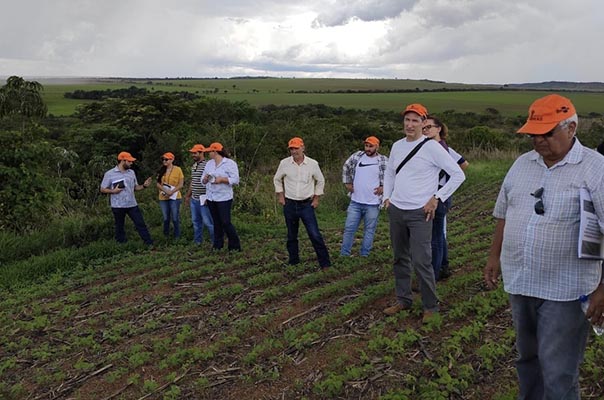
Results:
<point x="259" y="92"/>
<point x="184" y="322"/>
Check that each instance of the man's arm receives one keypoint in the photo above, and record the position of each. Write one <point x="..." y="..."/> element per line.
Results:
<point x="319" y="185"/>
<point x="493" y="268"/>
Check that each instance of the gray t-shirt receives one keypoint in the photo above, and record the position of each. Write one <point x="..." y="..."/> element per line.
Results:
<point x="113" y="178"/>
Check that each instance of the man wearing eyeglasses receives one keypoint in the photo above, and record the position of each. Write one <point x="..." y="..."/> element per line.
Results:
<point x="535" y="249"/>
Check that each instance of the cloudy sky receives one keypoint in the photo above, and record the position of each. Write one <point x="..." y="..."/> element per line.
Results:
<point x="469" y="41"/>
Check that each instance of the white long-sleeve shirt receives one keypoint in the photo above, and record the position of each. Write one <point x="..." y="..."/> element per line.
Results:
<point x="417" y="181"/>
<point x="299" y="181"/>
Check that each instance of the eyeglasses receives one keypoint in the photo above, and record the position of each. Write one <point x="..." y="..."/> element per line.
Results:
<point x="545" y="135"/>
<point x="165" y="159"/>
<point x="425" y="128"/>
<point x="539" y="209"/>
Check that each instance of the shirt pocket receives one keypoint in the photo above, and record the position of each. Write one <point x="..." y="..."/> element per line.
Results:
<point x="305" y="176"/>
<point x="562" y="206"/>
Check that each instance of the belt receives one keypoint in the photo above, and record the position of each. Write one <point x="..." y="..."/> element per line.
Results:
<point x="300" y="201"/>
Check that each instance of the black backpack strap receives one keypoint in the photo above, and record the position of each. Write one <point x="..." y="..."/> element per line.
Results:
<point x="411" y="154"/>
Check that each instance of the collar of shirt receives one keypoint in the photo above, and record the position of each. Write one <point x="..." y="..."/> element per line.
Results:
<point x="304" y="161"/>
<point x="574" y="155"/>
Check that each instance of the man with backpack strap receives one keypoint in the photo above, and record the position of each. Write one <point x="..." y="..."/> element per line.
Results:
<point x="411" y="195"/>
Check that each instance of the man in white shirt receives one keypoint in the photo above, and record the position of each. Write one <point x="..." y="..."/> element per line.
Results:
<point x="363" y="176"/>
<point x="411" y="195"/>
<point x="298" y="184"/>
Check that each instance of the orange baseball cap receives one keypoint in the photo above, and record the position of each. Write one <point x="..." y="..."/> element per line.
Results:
<point x="295" y="143"/>
<point x="547" y="112"/>
<point x="372" y="140"/>
<point x="214" y="147"/>
<point x="124" y="155"/>
<point x="168" y="155"/>
<point x="198" y="148"/>
<point x="416" y="108"/>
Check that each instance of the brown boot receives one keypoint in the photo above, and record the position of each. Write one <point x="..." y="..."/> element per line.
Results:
<point x="428" y="315"/>
<point x="395" y="309"/>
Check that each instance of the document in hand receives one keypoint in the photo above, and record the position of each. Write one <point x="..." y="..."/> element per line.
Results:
<point x="174" y="195"/>
<point x="118" y="184"/>
<point x="591" y="241"/>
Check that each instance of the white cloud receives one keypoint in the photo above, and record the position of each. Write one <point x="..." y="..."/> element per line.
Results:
<point x="490" y="41"/>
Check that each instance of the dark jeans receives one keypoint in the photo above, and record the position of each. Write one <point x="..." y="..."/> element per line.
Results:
<point x="119" y="214"/>
<point x="439" y="242"/>
<point x="221" y="215"/>
<point x="170" y="210"/>
<point x="294" y="211"/>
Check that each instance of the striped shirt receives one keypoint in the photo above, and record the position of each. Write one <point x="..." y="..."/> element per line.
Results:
<point x="197" y="188"/>
<point x="539" y="252"/>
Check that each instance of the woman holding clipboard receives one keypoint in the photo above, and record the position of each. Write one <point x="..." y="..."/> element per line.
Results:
<point x="170" y="180"/>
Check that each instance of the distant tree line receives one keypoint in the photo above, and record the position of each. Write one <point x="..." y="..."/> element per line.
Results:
<point x="124" y="93"/>
<point x="52" y="165"/>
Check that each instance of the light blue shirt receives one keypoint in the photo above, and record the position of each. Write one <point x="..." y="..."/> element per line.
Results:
<point x="125" y="198"/>
<point x="539" y="252"/>
<point x="221" y="191"/>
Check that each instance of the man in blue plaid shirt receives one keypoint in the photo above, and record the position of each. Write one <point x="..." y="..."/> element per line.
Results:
<point x="535" y="247"/>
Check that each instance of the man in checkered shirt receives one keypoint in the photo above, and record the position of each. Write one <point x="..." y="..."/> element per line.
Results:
<point x="535" y="248"/>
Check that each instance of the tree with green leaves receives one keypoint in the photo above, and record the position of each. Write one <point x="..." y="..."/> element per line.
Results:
<point x="22" y="98"/>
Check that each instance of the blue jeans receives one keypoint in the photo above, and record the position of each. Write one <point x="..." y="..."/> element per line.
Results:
<point x="200" y="216"/>
<point x="294" y="211"/>
<point x="119" y="215"/>
<point x="357" y="211"/>
<point x="221" y="215"/>
<point x="170" y="210"/>
<point x="550" y="338"/>
<point x="439" y="242"/>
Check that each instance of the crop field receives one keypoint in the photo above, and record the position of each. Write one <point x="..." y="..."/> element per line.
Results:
<point x="183" y="322"/>
<point x="259" y="92"/>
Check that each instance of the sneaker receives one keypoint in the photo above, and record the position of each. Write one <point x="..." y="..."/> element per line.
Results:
<point x="395" y="309"/>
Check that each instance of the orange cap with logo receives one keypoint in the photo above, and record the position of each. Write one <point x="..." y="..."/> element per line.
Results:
<point x="124" y="155"/>
<point x="547" y="112"/>
<point x="295" y="143"/>
<point x="416" y="108"/>
<point x="372" y="140"/>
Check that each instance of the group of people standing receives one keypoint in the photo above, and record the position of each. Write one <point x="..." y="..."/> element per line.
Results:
<point x="209" y="196"/>
<point x="534" y="248"/>
<point x="417" y="198"/>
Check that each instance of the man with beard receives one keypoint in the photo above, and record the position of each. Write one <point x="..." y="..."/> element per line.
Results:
<point x="196" y="197"/>
<point x="363" y="176"/>
<point x="120" y="183"/>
